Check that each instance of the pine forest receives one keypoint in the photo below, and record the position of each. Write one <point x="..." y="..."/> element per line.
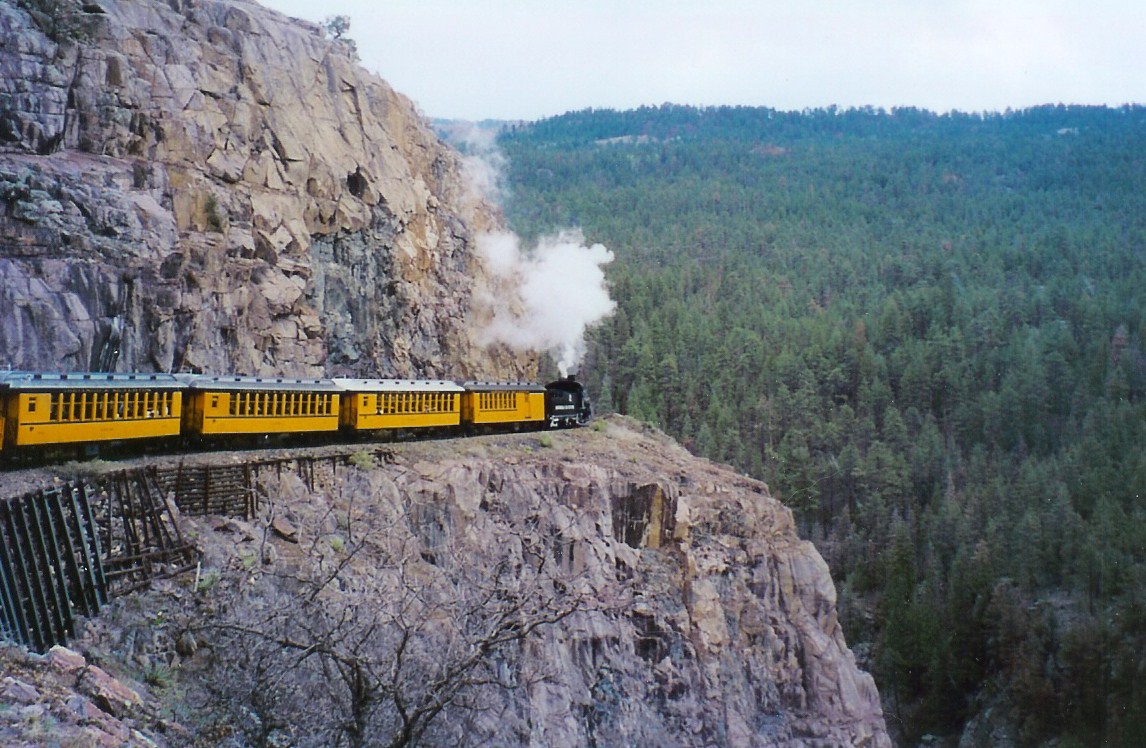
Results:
<point x="927" y="333"/>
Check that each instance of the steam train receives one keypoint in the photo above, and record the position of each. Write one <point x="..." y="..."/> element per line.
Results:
<point x="52" y="412"/>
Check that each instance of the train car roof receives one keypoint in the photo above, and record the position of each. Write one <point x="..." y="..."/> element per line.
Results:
<point x="502" y="387"/>
<point x="568" y="384"/>
<point x="258" y="384"/>
<point x="87" y="380"/>
<point x="397" y="385"/>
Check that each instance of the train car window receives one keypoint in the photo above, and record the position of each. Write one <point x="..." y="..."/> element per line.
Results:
<point x="31" y="405"/>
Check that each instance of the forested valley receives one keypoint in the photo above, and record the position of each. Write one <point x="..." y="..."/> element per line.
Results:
<point x="926" y="333"/>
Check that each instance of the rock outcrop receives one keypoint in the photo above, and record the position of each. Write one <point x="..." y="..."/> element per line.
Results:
<point x="206" y="185"/>
<point x="699" y="617"/>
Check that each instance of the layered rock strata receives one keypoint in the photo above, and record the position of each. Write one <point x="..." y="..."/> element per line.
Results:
<point x="206" y="185"/>
<point x="700" y="617"/>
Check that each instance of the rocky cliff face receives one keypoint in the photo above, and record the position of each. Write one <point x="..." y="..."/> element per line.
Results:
<point x="599" y="587"/>
<point x="206" y="185"/>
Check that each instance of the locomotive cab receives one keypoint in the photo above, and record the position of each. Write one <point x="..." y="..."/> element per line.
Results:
<point x="566" y="403"/>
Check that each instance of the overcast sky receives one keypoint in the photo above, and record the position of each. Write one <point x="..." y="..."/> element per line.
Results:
<point x="528" y="59"/>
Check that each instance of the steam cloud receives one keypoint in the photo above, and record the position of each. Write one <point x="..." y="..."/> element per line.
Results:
<point x="541" y="298"/>
<point x="545" y="298"/>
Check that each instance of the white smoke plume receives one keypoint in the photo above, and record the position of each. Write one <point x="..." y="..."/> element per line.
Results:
<point x="484" y="164"/>
<point x="541" y="298"/>
<point x="544" y="298"/>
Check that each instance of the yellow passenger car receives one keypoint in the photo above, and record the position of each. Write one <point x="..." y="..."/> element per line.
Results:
<point x="369" y="404"/>
<point x="3" y="416"/>
<point x="81" y="408"/>
<point x="490" y="403"/>
<point x="219" y="406"/>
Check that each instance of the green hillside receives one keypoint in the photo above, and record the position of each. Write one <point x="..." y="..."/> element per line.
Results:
<point x="927" y="334"/>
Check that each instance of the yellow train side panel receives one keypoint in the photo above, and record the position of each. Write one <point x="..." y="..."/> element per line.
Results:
<point x="522" y="407"/>
<point x="267" y="425"/>
<point x="32" y="422"/>
<point x="210" y="414"/>
<point x="376" y="410"/>
<point x="366" y="421"/>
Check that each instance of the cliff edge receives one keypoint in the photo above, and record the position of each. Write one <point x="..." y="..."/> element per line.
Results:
<point x="594" y="587"/>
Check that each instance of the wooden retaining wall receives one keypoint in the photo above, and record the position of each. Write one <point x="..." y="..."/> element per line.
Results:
<point x="51" y="566"/>
<point x="65" y="550"/>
